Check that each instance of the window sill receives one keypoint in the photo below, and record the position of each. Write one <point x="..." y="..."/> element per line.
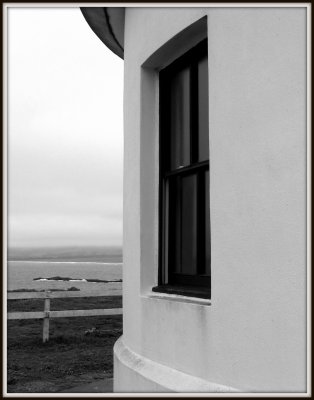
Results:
<point x="180" y="293"/>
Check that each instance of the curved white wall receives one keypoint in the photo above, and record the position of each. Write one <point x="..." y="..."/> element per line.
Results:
<point x="253" y="335"/>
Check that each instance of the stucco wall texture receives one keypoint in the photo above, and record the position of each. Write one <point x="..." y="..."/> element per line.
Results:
<point x="253" y="335"/>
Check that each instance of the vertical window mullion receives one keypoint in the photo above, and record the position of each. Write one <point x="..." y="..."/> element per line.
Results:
<point x="179" y="203"/>
<point x="165" y="243"/>
<point x="164" y="160"/>
<point x="201" y="223"/>
<point x="194" y="112"/>
<point x="207" y="225"/>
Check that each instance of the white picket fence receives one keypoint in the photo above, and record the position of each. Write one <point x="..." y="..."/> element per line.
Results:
<point x="46" y="314"/>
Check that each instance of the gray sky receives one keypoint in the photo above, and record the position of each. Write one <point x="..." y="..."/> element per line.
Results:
<point x="65" y="143"/>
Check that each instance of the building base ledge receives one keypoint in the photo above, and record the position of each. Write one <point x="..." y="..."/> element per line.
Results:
<point x="135" y="373"/>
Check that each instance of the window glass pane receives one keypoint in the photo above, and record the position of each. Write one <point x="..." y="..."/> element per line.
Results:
<point x="166" y="235"/>
<point x="180" y="119"/>
<point x="174" y="225"/>
<point x="207" y="228"/>
<point x="203" y="149"/>
<point x="189" y="224"/>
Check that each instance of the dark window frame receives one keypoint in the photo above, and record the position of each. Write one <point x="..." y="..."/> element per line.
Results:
<point x="199" y="284"/>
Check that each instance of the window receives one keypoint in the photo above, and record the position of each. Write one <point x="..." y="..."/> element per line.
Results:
<point x="184" y="251"/>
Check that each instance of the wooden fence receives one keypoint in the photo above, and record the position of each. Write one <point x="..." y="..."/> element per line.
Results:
<point x="47" y="313"/>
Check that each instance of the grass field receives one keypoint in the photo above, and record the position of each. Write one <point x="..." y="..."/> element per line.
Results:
<point x="79" y="351"/>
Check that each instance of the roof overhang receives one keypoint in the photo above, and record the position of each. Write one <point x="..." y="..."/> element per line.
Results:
<point x="108" y="24"/>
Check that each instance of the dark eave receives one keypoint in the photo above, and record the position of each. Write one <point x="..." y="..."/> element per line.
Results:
<point x="108" y="24"/>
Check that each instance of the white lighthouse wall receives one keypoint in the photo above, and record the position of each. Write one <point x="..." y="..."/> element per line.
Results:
<point x="252" y="335"/>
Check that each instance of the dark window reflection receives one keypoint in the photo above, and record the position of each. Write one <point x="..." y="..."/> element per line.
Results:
<point x="180" y="119"/>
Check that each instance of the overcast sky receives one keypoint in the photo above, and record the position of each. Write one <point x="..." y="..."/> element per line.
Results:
<point x="65" y="136"/>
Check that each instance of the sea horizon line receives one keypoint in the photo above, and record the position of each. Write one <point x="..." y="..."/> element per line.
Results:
<point x="66" y="262"/>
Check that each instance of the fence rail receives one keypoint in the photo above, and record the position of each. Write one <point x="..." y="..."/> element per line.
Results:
<point x="47" y="313"/>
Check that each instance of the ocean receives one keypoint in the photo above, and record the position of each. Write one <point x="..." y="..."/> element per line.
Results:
<point x="65" y="268"/>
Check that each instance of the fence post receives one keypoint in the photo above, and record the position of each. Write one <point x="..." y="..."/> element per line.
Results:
<point x="46" y="318"/>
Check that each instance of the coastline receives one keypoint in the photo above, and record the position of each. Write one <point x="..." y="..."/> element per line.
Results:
<point x="78" y="352"/>
<point x="85" y="275"/>
<point x="66" y="262"/>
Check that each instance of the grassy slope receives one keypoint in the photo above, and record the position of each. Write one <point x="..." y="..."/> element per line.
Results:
<point x="71" y="357"/>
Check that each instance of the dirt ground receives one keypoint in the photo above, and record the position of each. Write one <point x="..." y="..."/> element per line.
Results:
<point x="79" y="351"/>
